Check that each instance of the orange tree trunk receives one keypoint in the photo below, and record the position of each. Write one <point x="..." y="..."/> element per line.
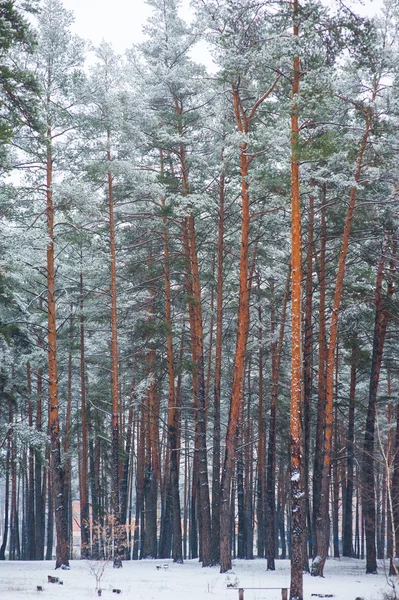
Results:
<point x="307" y="377"/>
<point x="204" y="501"/>
<point x="322" y="523"/>
<point x="296" y="587"/>
<point x="30" y="500"/>
<point x="239" y="360"/>
<point x="390" y="457"/>
<point x="39" y="495"/>
<point x="152" y="468"/>
<point x="6" y="505"/>
<point x="197" y="341"/>
<point x="67" y="437"/>
<point x="119" y="531"/>
<point x="347" y="525"/>
<point x="173" y="413"/>
<point x="394" y="500"/>
<point x="271" y="449"/>
<point x="368" y="485"/>
<point x="321" y="386"/>
<point x="243" y="120"/>
<point x="139" y="517"/>
<point x="84" y="501"/>
<point x="190" y="294"/>
<point x="57" y="472"/>
<point x="217" y="380"/>
<point x="261" y="451"/>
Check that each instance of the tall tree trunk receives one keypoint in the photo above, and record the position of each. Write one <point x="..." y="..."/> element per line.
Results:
<point x="296" y="588"/>
<point x="368" y="485"/>
<point x="40" y="469"/>
<point x="276" y="351"/>
<point x="243" y="119"/>
<point x="241" y="525"/>
<point x="239" y="360"/>
<point x="347" y="530"/>
<point x="335" y="483"/>
<point x="261" y="480"/>
<point x="393" y="490"/>
<point x="308" y="379"/>
<point x="127" y="461"/>
<point x="50" y="511"/>
<point x="380" y="516"/>
<point x="193" y="531"/>
<point x="197" y="338"/>
<point x="389" y="468"/>
<point x="30" y="513"/>
<point x="186" y="507"/>
<point x="200" y="483"/>
<point x="248" y="474"/>
<point x="15" y="548"/>
<point x="83" y="491"/>
<point x="217" y="380"/>
<point x="57" y="471"/>
<point x="357" y="518"/>
<point x="67" y="441"/>
<point x="6" y="500"/>
<point x="139" y="488"/>
<point x="321" y="386"/>
<point x="94" y="489"/>
<point x="131" y="479"/>
<point x="322" y="522"/>
<point x="281" y="496"/>
<point x="152" y="466"/>
<point x="119" y="530"/>
<point x="204" y="512"/>
<point x="173" y="412"/>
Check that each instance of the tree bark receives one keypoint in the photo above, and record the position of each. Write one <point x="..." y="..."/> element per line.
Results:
<point x="242" y="336"/>
<point x="296" y="587"/>
<point x="261" y="454"/>
<point x="139" y="488"/>
<point x="243" y="119"/>
<point x="173" y="412"/>
<point x="67" y="441"/>
<point x="322" y="522"/>
<point x="152" y="462"/>
<point x="321" y="386"/>
<point x="197" y="338"/>
<point x="83" y="491"/>
<point x="204" y="501"/>
<point x="308" y="379"/>
<point x="368" y="485"/>
<point x="347" y="530"/>
<point x="335" y="483"/>
<point x="276" y="350"/>
<point x="6" y="500"/>
<point x="394" y="499"/>
<point x="119" y="532"/>
<point x="218" y="379"/>
<point x="57" y="471"/>
<point x="40" y="470"/>
<point x="30" y="513"/>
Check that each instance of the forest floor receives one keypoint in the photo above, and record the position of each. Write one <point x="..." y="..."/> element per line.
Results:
<point x="345" y="579"/>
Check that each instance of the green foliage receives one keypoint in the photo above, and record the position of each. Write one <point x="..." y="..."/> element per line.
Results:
<point x="18" y="86"/>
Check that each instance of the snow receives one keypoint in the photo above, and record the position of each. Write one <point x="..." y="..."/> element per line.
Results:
<point x="141" y="580"/>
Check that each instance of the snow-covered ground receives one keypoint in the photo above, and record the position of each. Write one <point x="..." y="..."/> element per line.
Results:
<point x="345" y="579"/>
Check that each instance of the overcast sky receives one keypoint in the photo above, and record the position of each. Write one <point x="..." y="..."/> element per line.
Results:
<point x="120" y="21"/>
<point x="116" y="21"/>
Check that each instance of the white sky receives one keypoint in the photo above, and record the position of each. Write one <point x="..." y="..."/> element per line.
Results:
<point x="120" y="21"/>
<point x="116" y="21"/>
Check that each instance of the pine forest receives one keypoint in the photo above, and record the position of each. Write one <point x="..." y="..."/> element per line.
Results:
<point x="199" y="339"/>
